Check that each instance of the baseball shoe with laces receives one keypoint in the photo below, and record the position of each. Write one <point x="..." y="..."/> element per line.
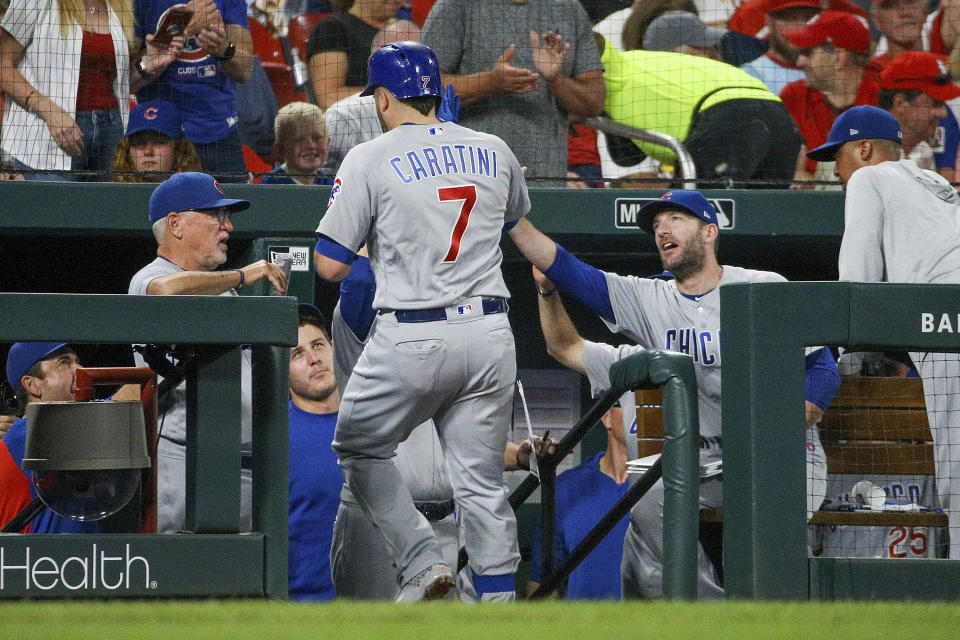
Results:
<point x="432" y="583"/>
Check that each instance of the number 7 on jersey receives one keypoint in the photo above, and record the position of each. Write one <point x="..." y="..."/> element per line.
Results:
<point x="468" y="195"/>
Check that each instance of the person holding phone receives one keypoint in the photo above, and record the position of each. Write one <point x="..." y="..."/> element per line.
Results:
<point x="67" y="70"/>
<point x="217" y="53"/>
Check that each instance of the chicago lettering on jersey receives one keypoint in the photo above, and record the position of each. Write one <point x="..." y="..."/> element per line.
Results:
<point x="447" y="159"/>
<point x="702" y="346"/>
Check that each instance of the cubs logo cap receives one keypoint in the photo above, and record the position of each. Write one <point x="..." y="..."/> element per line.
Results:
<point x="691" y="202"/>
<point x="857" y="123"/>
<point x="836" y="28"/>
<point x="156" y="115"/>
<point x="190" y="190"/>
<point x="24" y="355"/>
<point x="920" y="70"/>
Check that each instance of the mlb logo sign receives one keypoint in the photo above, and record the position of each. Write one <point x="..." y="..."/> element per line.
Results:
<point x="464" y="309"/>
<point x="207" y="71"/>
<point x="627" y="209"/>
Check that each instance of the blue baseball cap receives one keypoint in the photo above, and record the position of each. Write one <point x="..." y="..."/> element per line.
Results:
<point x="307" y="309"/>
<point x="190" y="190"/>
<point x="691" y="202"/>
<point x="156" y="115"/>
<point x="857" y="123"/>
<point x="24" y="355"/>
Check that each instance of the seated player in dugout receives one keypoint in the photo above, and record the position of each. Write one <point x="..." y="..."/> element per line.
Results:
<point x="680" y="315"/>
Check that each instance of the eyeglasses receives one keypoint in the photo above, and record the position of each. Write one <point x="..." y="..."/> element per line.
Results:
<point x="222" y="214"/>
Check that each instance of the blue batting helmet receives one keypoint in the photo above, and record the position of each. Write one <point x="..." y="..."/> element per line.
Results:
<point x="408" y="69"/>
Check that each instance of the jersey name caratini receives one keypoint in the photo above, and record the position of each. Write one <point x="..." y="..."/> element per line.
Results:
<point x="431" y="201"/>
<point x="419" y="164"/>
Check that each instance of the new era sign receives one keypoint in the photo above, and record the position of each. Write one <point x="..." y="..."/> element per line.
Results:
<point x="627" y="209"/>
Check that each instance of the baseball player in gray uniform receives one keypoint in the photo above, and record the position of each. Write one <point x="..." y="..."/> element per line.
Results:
<point x="362" y="562"/>
<point x="902" y="224"/>
<point x="190" y="215"/>
<point x="680" y="315"/>
<point x="431" y="202"/>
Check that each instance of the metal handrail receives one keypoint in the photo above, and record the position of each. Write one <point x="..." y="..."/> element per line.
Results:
<point x="685" y="168"/>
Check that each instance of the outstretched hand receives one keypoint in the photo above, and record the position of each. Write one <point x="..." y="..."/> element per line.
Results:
<point x="549" y="54"/>
<point x="510" y="79"/>
<point x="449" y="110"/>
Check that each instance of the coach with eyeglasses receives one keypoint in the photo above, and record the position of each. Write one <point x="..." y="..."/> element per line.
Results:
<point x="191" y="218"/>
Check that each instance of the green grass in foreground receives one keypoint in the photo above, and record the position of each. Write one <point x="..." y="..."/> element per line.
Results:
<point x="235" y="620"/>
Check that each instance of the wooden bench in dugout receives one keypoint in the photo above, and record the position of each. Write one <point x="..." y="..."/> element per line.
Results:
<point x="874" y="426"/>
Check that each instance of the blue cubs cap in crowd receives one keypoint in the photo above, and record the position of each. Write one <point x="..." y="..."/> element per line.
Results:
<point x="857" y="123"/>
<point x="24" y="355"/>
<point x="156" y="115"/>
<point x="307" y="309"/>
<point x="190" y="190"/>
<point x="691" y="202"/>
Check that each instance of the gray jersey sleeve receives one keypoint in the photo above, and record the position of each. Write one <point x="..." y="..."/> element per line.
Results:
<point x="861" y="250"/>
<point x="350" y="208"/>
<point x="597" y="358"/>
<point x="142" y="279"/>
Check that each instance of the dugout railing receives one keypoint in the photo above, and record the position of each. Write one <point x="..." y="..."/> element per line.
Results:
<point x="212" y="559"/>
<point x="679" y="467"/>
<point x="765" y="329"/>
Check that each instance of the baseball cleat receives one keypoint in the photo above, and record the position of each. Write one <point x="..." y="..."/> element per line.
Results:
<point x="432" y="583"/>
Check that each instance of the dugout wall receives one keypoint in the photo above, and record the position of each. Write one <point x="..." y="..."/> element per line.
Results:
<point x="214" y="560"/>
<point x="765" y="329"/>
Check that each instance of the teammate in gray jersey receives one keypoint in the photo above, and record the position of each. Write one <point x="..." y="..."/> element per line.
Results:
<point x="430" y="199"/>
<point x="680" y="315"/>
<point x="902" y="224"/>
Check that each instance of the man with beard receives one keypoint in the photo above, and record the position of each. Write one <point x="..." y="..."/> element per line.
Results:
<point x="679" y="315"/>
<point x="778" y="66"/>
<point x="918" y="90"/>
<point x="834" y="54"/>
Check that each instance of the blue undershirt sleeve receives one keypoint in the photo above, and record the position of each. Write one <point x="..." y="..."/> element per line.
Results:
<point x="584" y="282"/>
<point x="334" y="250"/>
<point x="356" y="298"/>
<point x="822" y="378"/>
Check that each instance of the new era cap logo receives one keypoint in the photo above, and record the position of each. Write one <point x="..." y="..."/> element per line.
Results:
<point x="854" y="132"/>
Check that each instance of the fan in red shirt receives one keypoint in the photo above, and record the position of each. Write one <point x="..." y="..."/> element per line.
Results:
<point x="835" y="52"/>
<point x="901" y="23"/>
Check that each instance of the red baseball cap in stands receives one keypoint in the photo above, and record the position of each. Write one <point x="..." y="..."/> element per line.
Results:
<point x="837" y="28"/>
<point x="920" y="70"/>
<point x="779" y="5"/>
